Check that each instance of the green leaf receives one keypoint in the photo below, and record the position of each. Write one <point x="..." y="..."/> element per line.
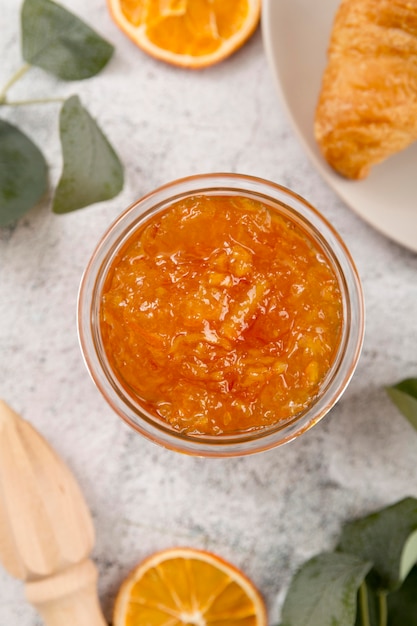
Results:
<point x="388" y="539"/>
<point x="402" y="604"/>
<point x="404" y="396"/>
<point x="92" y="171"/>
<point x="23" y="173"/>
<point x="324" y="591"/>
<point x="60" y="43"/>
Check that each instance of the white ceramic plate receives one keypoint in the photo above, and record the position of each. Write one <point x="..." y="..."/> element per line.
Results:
<point x="296" y="34"/>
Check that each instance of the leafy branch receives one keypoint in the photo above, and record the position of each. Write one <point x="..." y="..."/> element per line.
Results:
<point x="371" y="577"/>
<point x="369" y="580"/>
<point x="60" y="43"/>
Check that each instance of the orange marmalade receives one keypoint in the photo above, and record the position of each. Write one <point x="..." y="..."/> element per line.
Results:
<point x="219" y="315"/>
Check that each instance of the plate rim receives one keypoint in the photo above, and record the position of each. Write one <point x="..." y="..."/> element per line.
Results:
<point x="321" y="166"/>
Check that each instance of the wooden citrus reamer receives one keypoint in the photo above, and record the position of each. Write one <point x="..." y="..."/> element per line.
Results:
<point x="46" y="531"/>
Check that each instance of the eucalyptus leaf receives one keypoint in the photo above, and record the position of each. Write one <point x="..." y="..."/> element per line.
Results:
<point x="324" y="591"/>
<point x="60" y="43"/>
<point x="402" y="604"/>
<point x="387" y="539"/>
<point x="23" y="173"/>
<point x="92" y="171"/>
<point x="404" y="396"/>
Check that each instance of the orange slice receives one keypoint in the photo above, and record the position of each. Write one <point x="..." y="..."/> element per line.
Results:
<point x="189" y="33"/>
<point x="187" y="586"/>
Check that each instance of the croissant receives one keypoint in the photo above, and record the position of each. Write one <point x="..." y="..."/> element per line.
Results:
<point x="367" y="107"/>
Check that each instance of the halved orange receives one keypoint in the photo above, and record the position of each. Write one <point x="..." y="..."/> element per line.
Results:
<point x="187" y="586"/>
<point x="189" y="33"/>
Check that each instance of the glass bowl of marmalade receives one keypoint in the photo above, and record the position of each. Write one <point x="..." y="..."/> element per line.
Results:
<point x="221" y="315"/>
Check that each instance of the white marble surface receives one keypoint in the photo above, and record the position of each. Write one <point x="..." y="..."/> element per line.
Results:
<point x="266" y="513"/>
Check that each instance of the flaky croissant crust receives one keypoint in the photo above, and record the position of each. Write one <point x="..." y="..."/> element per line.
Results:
<point x="367" y="108"/>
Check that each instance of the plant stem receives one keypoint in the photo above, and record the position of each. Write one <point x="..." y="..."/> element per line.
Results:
<point x="17" y="103"/>
<point x="13" y="80"/>
<point x="363" y="604"/>
<point x="382" y="603"/>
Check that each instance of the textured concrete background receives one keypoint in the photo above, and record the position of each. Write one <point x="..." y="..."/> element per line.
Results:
<point x="266" y="513"/>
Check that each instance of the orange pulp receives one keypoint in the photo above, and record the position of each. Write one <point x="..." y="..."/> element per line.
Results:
<point x="220" y="315"/>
